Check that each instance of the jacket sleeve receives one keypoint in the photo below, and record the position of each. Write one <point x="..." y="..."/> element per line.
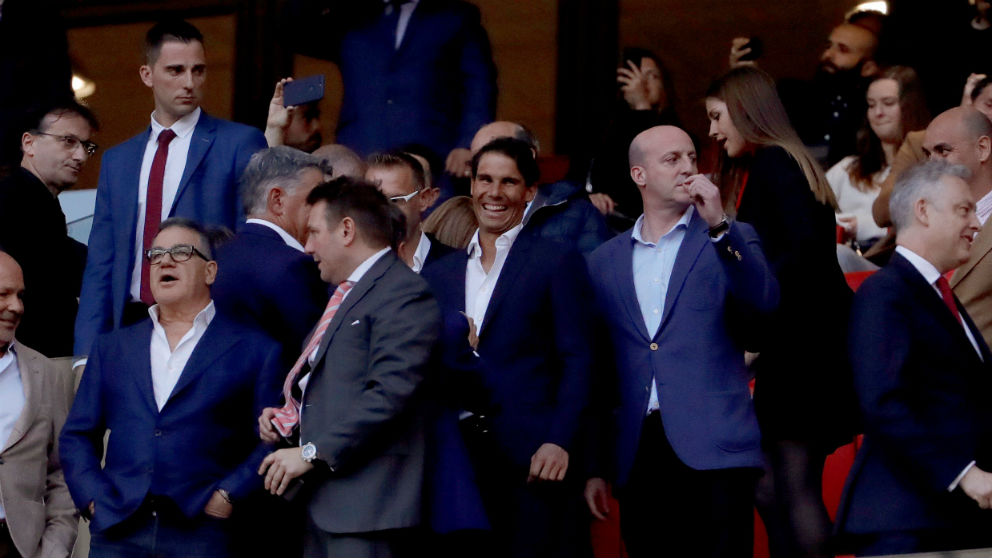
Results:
<point x="96" y="299"/>
<point x="61" y="520"/>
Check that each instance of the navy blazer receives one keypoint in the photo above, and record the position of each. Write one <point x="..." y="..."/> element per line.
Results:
<point x="266" y="284"/>
<point x="208" y="194"/>
<point x="924" y="396"/>
<point x="204" y="438"/>
<point x="532" y="376"/>
<point x="717" y="291"/>
<point x="437" y="89"/>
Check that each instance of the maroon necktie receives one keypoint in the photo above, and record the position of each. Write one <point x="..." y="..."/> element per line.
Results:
<point x="153" y="209"/>
<point x="945" y="292"/>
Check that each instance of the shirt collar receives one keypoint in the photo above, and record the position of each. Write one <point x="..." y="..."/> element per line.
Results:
<point x="420" y="255"/>
<point x="202" y="319"/>
<point x="984" y="208"/>
<point x="285" y="236"/>
<point x="11" y="350"/>
<point x="182" y="127"/>
<point x="504" y="240"/>
<point x="364" y="267"/>
<point x="636" y="235"/>
<point x="926" y="269"/>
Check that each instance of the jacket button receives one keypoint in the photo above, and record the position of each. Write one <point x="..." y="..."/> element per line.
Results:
<point x="653" y="346"/>
<point x="158" y="433"/>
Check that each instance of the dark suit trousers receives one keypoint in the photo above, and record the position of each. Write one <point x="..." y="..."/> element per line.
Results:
<point x="158" y="529"/>
<point x="528" y="519"/>
<point x="667" y="508"/>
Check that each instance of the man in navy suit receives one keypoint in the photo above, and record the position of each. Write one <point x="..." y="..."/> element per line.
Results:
<point x="678" y="293"/>
<point x="922" y="371"/>
<point x="179" y="394"/>
<point x="402" y="179"/>
<point x="520" y="362"/>
<point x="264" y="278"/>
<point x="186" y="164"/>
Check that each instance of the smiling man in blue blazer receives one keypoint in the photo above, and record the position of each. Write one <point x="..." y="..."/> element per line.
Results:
<point x="179" y="393"/>
<point x="677" y="295"/>
<point x="186" y="164"/>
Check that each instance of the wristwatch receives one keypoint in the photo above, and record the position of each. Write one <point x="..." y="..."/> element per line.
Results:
<point x="720" y="228"/>
<point x="309" y="452"/>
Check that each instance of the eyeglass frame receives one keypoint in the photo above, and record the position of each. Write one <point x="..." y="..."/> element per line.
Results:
<point x="88" y="146"/>
<point x="406" y="198"/>
<point x="161" y="252"/>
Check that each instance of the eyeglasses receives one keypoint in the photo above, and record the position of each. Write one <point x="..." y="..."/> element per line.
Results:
<point x="180" y="253"/>
<point x="70" y="142"/>
<point x="406" y="198"/>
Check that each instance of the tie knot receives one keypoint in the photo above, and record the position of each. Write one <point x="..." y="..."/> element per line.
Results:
<point x="396" y="4"/>
<point x="166" y="136"/>
<point x="943" y="285"/>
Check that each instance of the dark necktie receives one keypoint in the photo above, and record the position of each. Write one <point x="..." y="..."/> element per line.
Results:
<point x="153" y="209"/>
<point x="945" y="292"/>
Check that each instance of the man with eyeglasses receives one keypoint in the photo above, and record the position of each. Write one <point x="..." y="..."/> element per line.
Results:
<point x="401" y="178"/>
<point x="55" y="144"/>
<point x="179" y="393"/>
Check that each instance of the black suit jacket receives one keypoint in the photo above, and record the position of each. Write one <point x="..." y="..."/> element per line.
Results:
<point x="264" y="283"/>
<point x="924" y="393"/>
<point x="33" y="232"/>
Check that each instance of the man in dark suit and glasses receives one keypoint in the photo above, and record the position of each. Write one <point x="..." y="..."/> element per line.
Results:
<point x="358" y="425"/>
<point x="923" y="372"/>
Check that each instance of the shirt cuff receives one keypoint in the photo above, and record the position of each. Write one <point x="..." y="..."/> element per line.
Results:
<point x="81" y="362"/>
<point x="957" y="480"/>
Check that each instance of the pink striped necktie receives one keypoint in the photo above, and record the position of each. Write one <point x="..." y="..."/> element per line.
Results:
<point x="286" y="418"/>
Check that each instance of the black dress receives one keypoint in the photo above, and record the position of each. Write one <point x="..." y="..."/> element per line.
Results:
<point x="803" y="388"/>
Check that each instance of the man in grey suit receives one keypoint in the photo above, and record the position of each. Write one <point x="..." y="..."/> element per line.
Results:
<point x="37" y="516"/>
<point x="356" y="424"/>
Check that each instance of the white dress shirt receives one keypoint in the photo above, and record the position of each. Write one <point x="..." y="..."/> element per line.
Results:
<point x="175" y="164"/>
<point x="479" y="285"/>
<point x="406" y="11"/>
<point x="11" y="400"/>
<point x="653" y="264"/>
<point x="168" y="364"/>
<point x="285" y="236"/>
<point x="420" y="255"/>
<point x="931" y="274"/>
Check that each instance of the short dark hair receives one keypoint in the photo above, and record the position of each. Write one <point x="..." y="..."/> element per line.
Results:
<point x="346" y="196"/>
<point x="979" y="87"/>
<point x="393" y="159"/>
<point x="35" y="120"/>
<point x="435" y="166"/>
<point x="206" y="243"/>
<point x="169" y="30"/>
<point x="515" y="149"/>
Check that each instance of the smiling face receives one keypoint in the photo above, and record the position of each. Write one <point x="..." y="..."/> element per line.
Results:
<point x="951" y="224"/>
<point x="47" y="156"/>
<point x="947" y="139"/>
<point x="182" y="284"/>
<point x="722" y="128"/>
<point x="499" y="194"/>
<point x="884" y="111"/>
<point x="176" y="78"/>
<point x="11" y="299"/>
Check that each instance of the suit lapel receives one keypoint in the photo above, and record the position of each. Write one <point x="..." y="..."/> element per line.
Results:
<point x="623" y="272"/>
<point x="980" y="249"/>
<point x="354" y="296"/>
<point x="515" y="263"/>
<point x="128" y="214"/>
<point x="692" y="245"/>
<point x="215" y="342"/>
<point x="30" y="370"/>
<point x="203" y="138"/>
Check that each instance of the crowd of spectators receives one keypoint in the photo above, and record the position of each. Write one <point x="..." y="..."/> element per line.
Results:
<point x="270" y="345"/>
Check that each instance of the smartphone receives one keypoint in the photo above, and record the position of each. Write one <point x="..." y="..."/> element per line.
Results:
<point x="302" y="91"/>
<point x="757" y="49"/>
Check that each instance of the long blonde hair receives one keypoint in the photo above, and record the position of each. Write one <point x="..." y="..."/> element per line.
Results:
<point x="761" y="120"/>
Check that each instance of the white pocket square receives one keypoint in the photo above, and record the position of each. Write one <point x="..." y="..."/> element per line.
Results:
<point x="355" y="322"/>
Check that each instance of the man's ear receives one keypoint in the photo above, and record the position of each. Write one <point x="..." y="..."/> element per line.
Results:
<point x="211" y="272"/>
<point x="348" y="231"/>
<point x="273" y="201"/>
<point x="638" y="176"/>
<point x="920" y="211"/>
<point x="428" y="198"/>
<point x="869" y="68"/>
<point x="984" y="147"/>
<point x="145" y="73"/>
<point x="27" y="143"/>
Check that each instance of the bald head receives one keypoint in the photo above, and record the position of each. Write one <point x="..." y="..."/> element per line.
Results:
<point x="343" y="161"/>
<point x="963" y="136"/>
<point x="503" y="129"/>
<point x="655" y="140"/>
<point x="11" y="295"/>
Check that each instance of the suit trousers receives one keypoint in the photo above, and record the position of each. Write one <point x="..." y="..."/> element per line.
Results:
<point x="668" y="508"/>
<point x="392" y="543"/>
<point x="158" y="529"/>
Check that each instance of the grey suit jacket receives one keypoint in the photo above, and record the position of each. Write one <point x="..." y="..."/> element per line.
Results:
<point x="40" y="512"/>
<point x="361" y="407"/>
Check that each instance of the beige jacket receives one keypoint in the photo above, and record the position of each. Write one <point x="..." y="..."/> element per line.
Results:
<point x="972" y="282"/>
<point x="40" y="512"/>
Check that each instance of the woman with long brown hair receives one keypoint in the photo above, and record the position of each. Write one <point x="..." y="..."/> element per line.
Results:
<point x="771" y="182"/>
